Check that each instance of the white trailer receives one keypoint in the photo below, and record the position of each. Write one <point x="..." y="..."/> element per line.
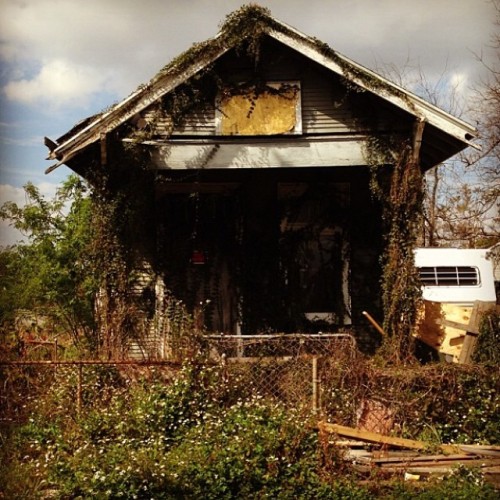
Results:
<point x="456" y="275"/>
<point x="455" y="283"/>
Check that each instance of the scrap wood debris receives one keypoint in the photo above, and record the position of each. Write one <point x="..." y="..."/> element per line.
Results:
<point x="410" y="457"/>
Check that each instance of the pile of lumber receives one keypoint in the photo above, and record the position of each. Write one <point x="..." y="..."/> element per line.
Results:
<point x="421" y="464"/>
<point x="368" y="450"/>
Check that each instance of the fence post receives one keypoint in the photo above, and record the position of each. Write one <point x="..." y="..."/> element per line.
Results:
<point x="79" y="391"/>
<point x="315" y="383"/>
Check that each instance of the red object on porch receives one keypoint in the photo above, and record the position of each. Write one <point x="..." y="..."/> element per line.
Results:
<point x="198" y="257"/>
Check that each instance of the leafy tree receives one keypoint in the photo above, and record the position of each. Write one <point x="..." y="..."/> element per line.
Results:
<point x="52" y="271"/>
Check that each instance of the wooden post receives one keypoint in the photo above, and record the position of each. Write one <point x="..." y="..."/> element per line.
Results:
<point x="375" y="324"/>
<point x="418" y="131"/>
<point x="79" y="391"/>
<point x="315" y="384"/>
<point x="104" y="149"/>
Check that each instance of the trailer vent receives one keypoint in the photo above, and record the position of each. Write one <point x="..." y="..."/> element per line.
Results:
<point x="449" y="276"/>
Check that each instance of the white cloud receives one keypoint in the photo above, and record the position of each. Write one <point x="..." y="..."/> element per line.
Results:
<point x="58" y="81"/>
<point x="83" y="47"/>
<point x="9" y="235"/>
<point x="12" y="193"/>
<point x="47" y="189"/>
<point x="458" y="81"/>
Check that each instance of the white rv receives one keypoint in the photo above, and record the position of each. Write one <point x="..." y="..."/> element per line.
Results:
<point x="456" y="275"/>
<point x="454" y="282"/>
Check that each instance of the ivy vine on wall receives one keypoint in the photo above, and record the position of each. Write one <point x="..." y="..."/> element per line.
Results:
<point x="397" y="182"/>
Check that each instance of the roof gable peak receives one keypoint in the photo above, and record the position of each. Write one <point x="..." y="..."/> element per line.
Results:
<point x="243" y="30"/>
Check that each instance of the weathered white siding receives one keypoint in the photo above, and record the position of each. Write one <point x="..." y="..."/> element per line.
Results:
<point x="345" y="151"/>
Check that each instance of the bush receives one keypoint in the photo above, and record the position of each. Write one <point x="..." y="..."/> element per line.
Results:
<point x="200" y="435"/>
<point x="190" y="438"/>
<point x="458" y="404"/>
<point x="488" y="343"/>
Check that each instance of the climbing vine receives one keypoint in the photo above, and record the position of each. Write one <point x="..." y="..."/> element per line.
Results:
<point x="396" y="177"/>
<point x="397" y="183"/>
<point x="122" y="234"/>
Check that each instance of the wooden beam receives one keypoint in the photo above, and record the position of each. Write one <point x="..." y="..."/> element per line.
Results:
<point x="375" y="437"/>
<point x="50" y="143"/>
<point x="456" y="325"/>
<point x="335" y="151"/>
<point x="418" y="131"/>
<point x="375" y="324"/>
<point x="104" y="149"/>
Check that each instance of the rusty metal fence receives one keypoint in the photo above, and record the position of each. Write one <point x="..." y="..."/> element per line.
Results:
<point x="292" y="369"/>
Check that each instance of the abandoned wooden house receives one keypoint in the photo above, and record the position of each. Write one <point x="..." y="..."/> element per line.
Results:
<point x="247" y="164"/>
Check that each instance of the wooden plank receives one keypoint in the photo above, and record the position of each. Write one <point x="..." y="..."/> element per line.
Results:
<point x="467" y="348"/>
<point x="422" y="458"/>
<point x="438" y="469"/>
<point x="443" y="469"/>
<point x="374" y="437"/>
<point x="455" y="324"/>
<point x="470" y="340"/>
<point x="491" y="470"/>
<point x="50" y="143"/>
<point x="476" y="462"/>
<point x="491" y="451"/>
<point x="375" y="324"/>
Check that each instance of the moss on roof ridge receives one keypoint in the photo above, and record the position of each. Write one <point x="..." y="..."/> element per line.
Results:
<point x="244" y="25"/>
<point x="247" y="25"/>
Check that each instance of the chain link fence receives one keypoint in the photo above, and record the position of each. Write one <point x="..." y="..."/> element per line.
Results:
<point x="295" y="370"/>
<point x="291" y="368"/>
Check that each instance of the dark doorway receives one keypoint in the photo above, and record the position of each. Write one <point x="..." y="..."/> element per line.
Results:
<point x="258" y="255"/>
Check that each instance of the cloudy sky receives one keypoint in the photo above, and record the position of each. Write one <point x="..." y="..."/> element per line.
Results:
<point x="64" y="60"/>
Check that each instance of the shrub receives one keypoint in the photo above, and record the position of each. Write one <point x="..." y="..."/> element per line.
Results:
<point x="488" y="343"/>
<point x="199" y="434"/>
<point x="184" y="440"/>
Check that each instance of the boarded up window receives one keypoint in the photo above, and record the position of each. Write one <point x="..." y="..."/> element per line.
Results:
<point x="271" y="109"/>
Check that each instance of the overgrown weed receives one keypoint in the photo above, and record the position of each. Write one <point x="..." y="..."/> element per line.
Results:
<point x="202" y="432"/>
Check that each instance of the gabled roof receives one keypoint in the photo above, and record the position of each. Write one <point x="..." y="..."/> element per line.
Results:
<point x="243" y="24"/>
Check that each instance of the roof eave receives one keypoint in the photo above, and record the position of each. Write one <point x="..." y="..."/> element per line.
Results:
<point x="307" y="46"/>
<point x="126" y="109"/>
<point x="388" y="91"/>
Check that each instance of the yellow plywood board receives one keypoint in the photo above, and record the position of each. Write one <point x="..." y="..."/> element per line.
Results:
<point x="445" y="339"/>
<point x="267" y="113"/>
<point x="452" y="329"/>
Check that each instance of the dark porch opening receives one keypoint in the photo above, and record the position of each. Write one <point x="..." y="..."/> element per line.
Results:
<point x="253" y="251"/>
